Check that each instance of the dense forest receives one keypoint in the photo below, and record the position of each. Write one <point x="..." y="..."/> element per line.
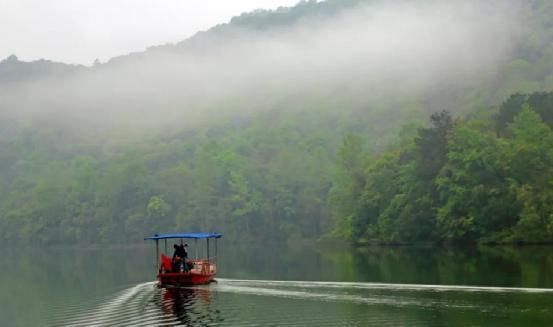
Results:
<point x="482" y="178"/>
<point x="90" y="154"/>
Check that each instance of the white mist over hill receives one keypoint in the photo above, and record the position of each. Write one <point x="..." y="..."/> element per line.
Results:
<point x="370" y="51"/>
<point x="79" y="32"/>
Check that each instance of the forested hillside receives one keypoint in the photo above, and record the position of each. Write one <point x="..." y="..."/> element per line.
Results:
<point x="480" y="178"/>
<point x="294" y="123"/>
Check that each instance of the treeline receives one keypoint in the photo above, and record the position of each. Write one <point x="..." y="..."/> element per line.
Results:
<point x="249" y="183"/>
<point x="484" y="178"/>
<point x="487" y="177"/>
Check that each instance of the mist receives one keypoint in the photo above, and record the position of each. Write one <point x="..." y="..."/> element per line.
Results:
<point x="384" y="49"/>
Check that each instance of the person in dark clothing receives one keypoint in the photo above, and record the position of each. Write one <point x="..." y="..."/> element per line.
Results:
<point x="187" y="263"/>
<point x="179" y="253"/>
<point x="180" y="258"/>
<point x="183" y="250"/>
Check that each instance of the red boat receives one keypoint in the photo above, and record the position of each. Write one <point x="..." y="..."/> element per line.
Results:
<point x="187" y="272"/>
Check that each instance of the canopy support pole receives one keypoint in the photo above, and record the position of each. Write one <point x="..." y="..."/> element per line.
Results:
<point x="166" y="253"/>
<point x="157" y="255"/>
<point x="207" y="250"/>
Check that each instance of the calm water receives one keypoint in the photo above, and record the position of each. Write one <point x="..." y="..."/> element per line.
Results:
<point x="282" y="286"/>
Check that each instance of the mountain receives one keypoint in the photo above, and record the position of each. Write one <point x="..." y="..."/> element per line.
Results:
<point x="12" y="70"/>
<point x="240" y="127"/>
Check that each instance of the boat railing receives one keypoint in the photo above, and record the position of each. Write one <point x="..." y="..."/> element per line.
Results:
<point x="204" y="266"/>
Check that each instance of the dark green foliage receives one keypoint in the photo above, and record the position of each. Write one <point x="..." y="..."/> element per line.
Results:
<point x="431" y="145"/>
<point x="265" y="19"/>
<point x="251" y="183"/>
<point x="460" y="182"/>
<point x="542" y="102"/>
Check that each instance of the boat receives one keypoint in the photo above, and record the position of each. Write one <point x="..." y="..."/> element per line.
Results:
<point x="202" y="270"/>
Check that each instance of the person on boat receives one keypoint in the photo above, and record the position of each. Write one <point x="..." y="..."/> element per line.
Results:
<point x="183" y="248"/>
<point x="188" y="265"/>
<point x="179" y="256"/>
<point x="180" y="261"/>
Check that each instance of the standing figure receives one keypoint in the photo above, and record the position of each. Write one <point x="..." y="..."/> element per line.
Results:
<point x="187" y="263"/>
<point x="178" y="258"/>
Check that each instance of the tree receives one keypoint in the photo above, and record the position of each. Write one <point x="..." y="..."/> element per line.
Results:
<point x="158" y="211"/>
<point x="349" y="185"/>
<point x="531" y="174"/>
<point x="473" y="185"/>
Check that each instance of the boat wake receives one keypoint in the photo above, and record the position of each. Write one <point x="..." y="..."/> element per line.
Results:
<point x="140" y="305"/>
<point x="254" y="302"/>
<point x="392" y="295"/>
<point x="386" y="286"/>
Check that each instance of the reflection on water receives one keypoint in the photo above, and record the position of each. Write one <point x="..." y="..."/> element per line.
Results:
<point x="190" y="306"/>
<point x="143" y="305"/>
<point x="296" y="285"/>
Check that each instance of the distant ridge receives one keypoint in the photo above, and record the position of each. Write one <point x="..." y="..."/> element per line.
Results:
<point x="14" y="70"/>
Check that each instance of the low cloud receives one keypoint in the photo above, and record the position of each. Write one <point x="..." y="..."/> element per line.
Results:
<point x="373" y="51"/>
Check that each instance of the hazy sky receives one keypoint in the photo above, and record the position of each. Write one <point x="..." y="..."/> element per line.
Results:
<point x="79" y="31"/>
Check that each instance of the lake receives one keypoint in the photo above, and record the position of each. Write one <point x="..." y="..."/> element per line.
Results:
<point x="280" y="285"/>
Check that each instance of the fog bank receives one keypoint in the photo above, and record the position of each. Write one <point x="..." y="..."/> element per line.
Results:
<point x="384" y="49"/>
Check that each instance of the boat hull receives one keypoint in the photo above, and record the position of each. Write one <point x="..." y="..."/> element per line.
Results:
<point x="203" y="272"/>
<point x="184" y="279"/>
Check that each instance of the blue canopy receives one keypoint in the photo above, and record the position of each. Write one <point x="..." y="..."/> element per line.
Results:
<point x="184" y="235"/>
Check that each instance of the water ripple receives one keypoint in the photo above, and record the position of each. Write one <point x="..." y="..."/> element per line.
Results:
<point x="292" y="303"/>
